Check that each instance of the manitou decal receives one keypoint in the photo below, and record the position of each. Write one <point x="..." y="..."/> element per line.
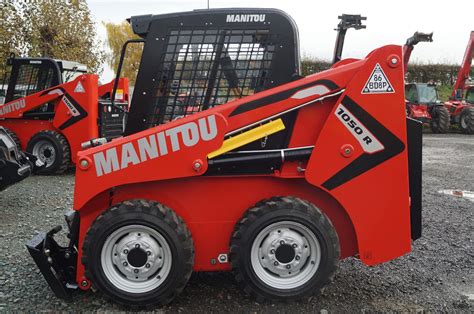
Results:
<point x="155" y="145"/>
<point x="13" y="106"/>
<point x="366" y="139"/>
<point x="245" y="18"/>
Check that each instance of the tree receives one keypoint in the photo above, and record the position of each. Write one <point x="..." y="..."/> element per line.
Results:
<point x="117" y="34"/>
<point x="54" y="29"/>
<point x="64" y="30"/>
<point x="11" y="28"/>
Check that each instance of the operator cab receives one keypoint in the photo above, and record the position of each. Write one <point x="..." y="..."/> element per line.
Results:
<point x="196" y="60"/>
<point x="421" y="93"/>
<point x="470" y="95"/>
<point x="27" y="76"/>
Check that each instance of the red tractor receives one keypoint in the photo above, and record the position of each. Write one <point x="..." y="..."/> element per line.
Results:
<point x="461" y="102"/>
<point x="53" y="106"/>
<point x="421" y="99"/>
<point x="274" y="176"/>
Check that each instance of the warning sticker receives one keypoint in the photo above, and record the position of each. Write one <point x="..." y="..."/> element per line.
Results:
<point x="378" y="82"/>
<point x="79" y="88"/>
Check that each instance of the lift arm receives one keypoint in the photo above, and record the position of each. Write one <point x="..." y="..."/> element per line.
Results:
<point x="463" y="73"/>
<point x="410" y="44"/>
<point x="347" y="21"/>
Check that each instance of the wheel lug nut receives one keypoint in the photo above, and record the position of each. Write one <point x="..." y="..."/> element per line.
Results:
<point x="136" y="271"/>
<point x="148" y="253"/>
<point x="282" y="242"/>
<point x="288" y="266"/>
<point x="137" y="246"/>
<point x="297" y="258"/>
<point x="125" y="251"/>
<point x="275" y="263"/>
<point x="272" y="251"/>
<point x="294" y="245"/>
<point x="147" y="265"/>
<point x="125" y="264"/>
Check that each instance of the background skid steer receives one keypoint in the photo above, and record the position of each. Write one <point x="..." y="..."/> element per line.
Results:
<point x="277" y="186"/>
<point x="53" y="106"/>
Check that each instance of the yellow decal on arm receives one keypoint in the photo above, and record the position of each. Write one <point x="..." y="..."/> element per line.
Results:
<point x="248" y="137"/>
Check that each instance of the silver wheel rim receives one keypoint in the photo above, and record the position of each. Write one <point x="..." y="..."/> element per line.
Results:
<point x="149" y="266"/>
<point x="45" y="152"/>
<point x="463" y="122"/>
<point x="285" y="255"/>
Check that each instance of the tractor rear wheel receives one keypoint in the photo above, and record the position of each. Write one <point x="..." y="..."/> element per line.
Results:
<point x="139" y="254"/>
<point x="284" y="249"/>
<point x="439" y="119"/>
<point x="14" y="137"/>
<point x="466" y="120"/>
<point x="52" y="149"/>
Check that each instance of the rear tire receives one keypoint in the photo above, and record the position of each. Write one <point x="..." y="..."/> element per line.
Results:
<point x="52" y="149"/>
<point x="284" y="249"/>
<point x="14" y="137"/>
<point x="440" y="119"/>
<point x="139" y="254"/>
<point x="466" y="120"/>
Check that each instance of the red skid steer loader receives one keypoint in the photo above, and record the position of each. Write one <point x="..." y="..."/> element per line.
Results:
<point x="54" y="106"/>
<point x="277" y="186"/>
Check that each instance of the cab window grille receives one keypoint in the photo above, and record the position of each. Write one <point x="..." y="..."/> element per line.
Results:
<point x="31" y="79"/>
<point x="200" y="69"/>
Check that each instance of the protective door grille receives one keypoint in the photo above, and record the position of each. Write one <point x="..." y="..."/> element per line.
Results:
<point x="200" y="69"/>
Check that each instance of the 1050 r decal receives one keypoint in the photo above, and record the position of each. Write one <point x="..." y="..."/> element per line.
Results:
<point x="370" y="144"/>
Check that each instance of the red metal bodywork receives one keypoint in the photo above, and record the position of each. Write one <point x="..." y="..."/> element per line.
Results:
<point x="83" y="130"/>
<point x="419" y="112"/>
<point x="456" y="106"/>
<point x="371" y="212"/>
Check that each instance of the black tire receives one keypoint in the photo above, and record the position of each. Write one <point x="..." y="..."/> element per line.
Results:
<point x="151" y="215"/>
<point x="14" y="137"/>
<point x="56" y="153"/>
<point x="270" y="213"/>
<point x="440" y="119"/>
<point x="466" y="120"/>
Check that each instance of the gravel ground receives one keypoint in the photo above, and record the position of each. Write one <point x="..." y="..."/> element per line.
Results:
<point x="437" y="276"/>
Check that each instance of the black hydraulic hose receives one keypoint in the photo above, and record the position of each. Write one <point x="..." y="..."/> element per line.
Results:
<point x="271" y="156"/>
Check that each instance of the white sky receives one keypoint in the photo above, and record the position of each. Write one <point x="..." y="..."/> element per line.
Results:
<point x="388" y="22"/>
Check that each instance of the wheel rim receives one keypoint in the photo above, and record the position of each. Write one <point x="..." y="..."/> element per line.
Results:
<point x="463" y="122"/>
<point x="45" y="152"/>
<point x="285" y="255"/>
<point x="136" y="259"/>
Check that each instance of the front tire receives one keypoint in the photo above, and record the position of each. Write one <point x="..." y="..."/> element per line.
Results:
<point x="14" y="138"/>
<point x="52" y="149"/>
<point x="440" y="119"/>
<point x="139" y="254"/>
<point x="284" y="249"/>
<point x="466" y="120"/>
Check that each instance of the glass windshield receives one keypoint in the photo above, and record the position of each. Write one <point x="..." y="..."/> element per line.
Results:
<point x="427" y="94"/>
<point x="470" y="95"/>
<point x="71" y="75"/>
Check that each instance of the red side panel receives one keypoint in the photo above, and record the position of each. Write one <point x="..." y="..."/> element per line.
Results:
<point x="360" y="158"/>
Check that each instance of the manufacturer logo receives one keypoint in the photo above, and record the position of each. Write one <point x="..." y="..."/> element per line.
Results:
<point x="378" y="82"/>
<point x="245" y="18"/>
<point x="155" y="145"/>
<point x="367" y="140"/>
<point x="13" y="106"/>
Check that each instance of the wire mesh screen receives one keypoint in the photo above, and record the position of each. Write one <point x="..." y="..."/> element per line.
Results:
<point x="200" y="69"/>
<point x="32" y="78"/>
